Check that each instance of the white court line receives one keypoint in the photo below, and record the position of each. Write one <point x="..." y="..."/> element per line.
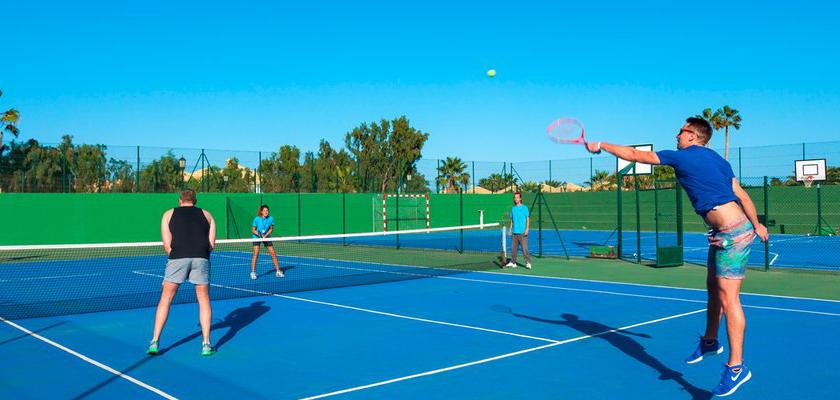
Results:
<point x="367" y="310"/>
<point x="557" y="288"/>
<point x="57" y="277"/>
<point x="89" y="360"/>
<point x="499" y="357"/>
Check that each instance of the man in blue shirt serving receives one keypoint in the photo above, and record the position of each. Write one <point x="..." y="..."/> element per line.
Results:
<point x="520" y="224"/>
<point x="730" y="214"/>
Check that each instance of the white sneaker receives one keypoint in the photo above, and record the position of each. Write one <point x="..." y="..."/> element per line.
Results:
<point x="528" y="265"/>
<point x="279" y="274"/>
<point x="510" y="265"/>
<point x="253" y="275"/>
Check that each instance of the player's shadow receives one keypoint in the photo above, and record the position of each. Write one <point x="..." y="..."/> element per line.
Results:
<point x="621" y="340"/>
<point x="235" y="321"/>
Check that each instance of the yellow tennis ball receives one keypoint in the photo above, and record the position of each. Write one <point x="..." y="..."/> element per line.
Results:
<point x="491" y="73"/>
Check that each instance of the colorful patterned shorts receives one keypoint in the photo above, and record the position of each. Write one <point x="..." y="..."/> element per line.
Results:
<point x="729" y="249"/>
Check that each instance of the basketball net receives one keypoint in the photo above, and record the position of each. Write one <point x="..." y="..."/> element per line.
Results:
<point x="809" y="180"/>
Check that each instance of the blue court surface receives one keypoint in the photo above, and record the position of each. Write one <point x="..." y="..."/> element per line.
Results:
<point x="472" y="335"/>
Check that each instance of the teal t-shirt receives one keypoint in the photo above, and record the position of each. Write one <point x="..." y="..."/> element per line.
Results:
<point x="262" y="225"/>
<point x="519" y="214"/>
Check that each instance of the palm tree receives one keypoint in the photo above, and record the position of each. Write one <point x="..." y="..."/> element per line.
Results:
<point x="729" y="117"/>
<point x="714" y="118"/>
<point x="452" y="176"/>
<point x="8" y="123"/>
<point x="599" y="179"/>
<point x="530" y="187"/>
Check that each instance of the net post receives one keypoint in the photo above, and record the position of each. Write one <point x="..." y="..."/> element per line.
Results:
<point x="656" y="210"/>
<point x="344" y="217"/>
<point x="504" y="244"/>
<point x="461" y="205"/>
<point x="638" y="221"/>
<point x="766" y="218"/>
<point x="540" y="199"/>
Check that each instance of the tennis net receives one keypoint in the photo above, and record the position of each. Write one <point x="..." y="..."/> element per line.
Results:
<point x="51" y="280"/>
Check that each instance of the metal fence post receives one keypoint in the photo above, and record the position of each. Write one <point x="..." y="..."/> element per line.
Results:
<point x="137" y="173"/>
<point x="766" y="218"/>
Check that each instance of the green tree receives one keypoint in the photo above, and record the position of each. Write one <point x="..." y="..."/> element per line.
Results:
<point x="714" y="118"/>
<point x="239" y="178"/>
<point x="333" y="169"/>
<point x="530" y="187"/>
<point x="8" y="123"/>
<point x="452" y="175"/>
<point x="496" y="182"/>
<point x="729" y="117"/>
<point x="162" y="175"/>
<point x="599" y="180"/>
<point x="121" y="176"/>
<point x="281" y="171"/>
<point x="308" y="178"/>
<point x="385" y="152"/>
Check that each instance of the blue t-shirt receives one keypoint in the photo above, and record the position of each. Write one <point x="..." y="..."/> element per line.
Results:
<point x="705" y="175"/>
<point x="519" y="215"/>
<point x="262" y="225"/>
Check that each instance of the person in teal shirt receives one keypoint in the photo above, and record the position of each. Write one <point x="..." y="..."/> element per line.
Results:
<point x="520" y="224"/>
<point x="261" y="228"/>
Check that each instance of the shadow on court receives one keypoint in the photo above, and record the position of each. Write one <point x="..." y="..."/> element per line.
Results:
<point x="26" y="335"/>
<point x="234" y="322"/>
<point x="621" y="340"/>
<point x="272" y="270"/>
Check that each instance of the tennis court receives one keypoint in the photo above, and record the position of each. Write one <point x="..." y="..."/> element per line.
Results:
<point x="365" y="321"/>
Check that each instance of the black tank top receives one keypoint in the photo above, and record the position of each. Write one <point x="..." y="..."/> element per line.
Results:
<point x="190" y="231"/>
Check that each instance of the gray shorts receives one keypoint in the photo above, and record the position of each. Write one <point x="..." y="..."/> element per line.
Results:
<point x="196" y="269"/>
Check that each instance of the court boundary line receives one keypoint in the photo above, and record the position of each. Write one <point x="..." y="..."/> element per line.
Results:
<point x="89" y="360"/>
<point x="498" y="357"/>
<point x="795" y="310"/>
<point x="371" y="311"/>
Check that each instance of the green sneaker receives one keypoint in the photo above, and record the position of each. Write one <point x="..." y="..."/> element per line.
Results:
<point x="153" y="348"/>
<point x="207" y="349"/>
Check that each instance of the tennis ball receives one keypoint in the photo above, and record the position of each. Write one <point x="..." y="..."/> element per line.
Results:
<point x="491" y="73"/>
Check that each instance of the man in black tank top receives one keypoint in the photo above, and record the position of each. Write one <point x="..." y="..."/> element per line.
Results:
<point x="189" y="235"/>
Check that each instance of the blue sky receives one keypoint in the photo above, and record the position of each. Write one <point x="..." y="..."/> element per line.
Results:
<point x="254" y="75"/>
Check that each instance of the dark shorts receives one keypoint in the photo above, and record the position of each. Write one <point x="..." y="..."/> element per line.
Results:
<point x="266" y="244"/>
<point x="729" y="251"/>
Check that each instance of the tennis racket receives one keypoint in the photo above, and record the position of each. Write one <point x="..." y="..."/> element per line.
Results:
<point x="567" y="131"/>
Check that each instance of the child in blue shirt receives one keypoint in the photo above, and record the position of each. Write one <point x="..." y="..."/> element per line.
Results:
<point x="730" y="214"/>
<point x="262" y="227"/>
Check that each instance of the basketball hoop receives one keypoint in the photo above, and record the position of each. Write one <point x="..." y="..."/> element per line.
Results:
<point x="809" y="180"/>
